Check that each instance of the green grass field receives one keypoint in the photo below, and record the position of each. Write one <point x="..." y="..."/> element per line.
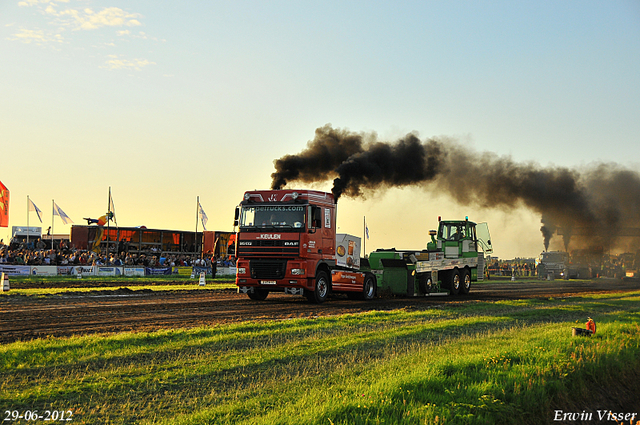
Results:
<point x="468" y="363"/>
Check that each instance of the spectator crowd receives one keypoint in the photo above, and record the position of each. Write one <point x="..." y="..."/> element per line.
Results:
<point x="511" y="268"/>
<point x="37" y="255"/>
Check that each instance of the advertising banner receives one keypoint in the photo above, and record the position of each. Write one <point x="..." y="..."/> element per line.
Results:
<point x="182" y="270"/>
<point x="83" y="270"/>
<point x="226" y="271"/>
<point x="65" y="270"/>
<point x="347" y="250"/>
<point x="134" y="271"/>
<point x="108" y="271"/>
<point x="44" y="270"/>
<point x="15" y="270"/>
<point x="197" y="270"/>
<point x="4" y="206"/>
<point x="157" y="271"/>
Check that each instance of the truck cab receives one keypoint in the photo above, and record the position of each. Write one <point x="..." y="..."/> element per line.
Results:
<point x="287" y="242"/>
<point x="553" y="264"/>
<point x="458" y="239"/>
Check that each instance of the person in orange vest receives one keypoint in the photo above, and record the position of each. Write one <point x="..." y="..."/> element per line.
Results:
<point x="591" y="326"/>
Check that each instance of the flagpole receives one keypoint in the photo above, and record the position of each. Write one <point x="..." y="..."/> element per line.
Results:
<point x="108" y="221"/>
<point x="53" y="212"/>
<point x="195" y="240"/>
<point x="364" y="236"/>
<point x="27" y="221"/>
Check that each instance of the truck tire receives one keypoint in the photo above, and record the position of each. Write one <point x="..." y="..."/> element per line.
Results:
<point x="425" y="284"/>
<point x="369" y="288"/>
<point x="465" y="281"/>
<point x="454" y="282"/>
<point x="258" y="294"/>
<point x="320" y="290"/>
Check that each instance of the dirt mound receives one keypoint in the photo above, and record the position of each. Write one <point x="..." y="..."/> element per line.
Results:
<point x="122" y="291"/>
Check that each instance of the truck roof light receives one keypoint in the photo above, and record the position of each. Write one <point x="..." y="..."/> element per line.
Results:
<point x="294" y="195"/>
<point x="246" y="196"/>
<point x="439" y="218"/>
<point x="466" y="217"/>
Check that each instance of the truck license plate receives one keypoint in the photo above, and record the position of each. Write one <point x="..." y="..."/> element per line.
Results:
<point x="267" y="282"/>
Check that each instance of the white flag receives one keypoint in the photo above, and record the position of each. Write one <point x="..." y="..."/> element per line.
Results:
<point x="63" y="216"/>
<point x="203" y="216"/>
<point x="32" y="207"/>
<point x="111" y="214"/>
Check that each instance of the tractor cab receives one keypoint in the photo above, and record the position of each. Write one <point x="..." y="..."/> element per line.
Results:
<point x="459" y="238"/>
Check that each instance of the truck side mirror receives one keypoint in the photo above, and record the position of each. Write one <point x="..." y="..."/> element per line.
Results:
<point x="235" y="218"/>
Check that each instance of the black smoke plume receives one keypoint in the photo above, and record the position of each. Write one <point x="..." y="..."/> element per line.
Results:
<point x="330" y="148"/>
<point x="602" y="198"/>
<point x="547" y="229"/>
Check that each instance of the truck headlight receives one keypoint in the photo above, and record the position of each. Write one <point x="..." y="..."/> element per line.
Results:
<point x="242" y="270"/>
<point x="298" y="272"/>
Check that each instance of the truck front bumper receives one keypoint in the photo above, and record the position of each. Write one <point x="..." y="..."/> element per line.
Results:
<point x="285" y="289"/>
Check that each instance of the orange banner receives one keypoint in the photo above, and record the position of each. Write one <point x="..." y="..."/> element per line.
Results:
<point x="4" y="206"/>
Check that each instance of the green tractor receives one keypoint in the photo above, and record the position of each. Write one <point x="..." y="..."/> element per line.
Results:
<point x="452" y="260"/>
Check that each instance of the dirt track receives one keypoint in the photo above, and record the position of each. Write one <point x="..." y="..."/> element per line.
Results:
<point x="118" y="310"/>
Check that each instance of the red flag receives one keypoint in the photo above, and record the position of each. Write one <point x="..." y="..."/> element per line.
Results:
<point x="4" y="206"/>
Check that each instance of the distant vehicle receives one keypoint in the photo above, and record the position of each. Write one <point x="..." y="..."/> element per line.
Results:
<point x="562" y="266"/>
<point x="553" y="263"/>
<point x="631" y="265"/>
<point x="586" y="263"/>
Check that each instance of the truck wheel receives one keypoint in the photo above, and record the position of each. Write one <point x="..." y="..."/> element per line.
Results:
<point x="465" y="282"/>
<point x="321" y="290"/>
<point x="425" y="284"/>
<point x="258" y="294"/>
<point x="454" y="283"/>
<point x="369" y="288"/>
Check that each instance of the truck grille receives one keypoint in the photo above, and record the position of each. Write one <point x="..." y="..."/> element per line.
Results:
<point x="260" y="248"/>
<point x="268" y="269"/>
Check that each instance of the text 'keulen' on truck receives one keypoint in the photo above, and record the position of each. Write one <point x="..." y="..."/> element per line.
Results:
<point x="287" y="242"/>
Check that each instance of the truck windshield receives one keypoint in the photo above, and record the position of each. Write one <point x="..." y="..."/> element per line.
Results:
<point x="273" y="216"/>
<point x="452" y="231"/>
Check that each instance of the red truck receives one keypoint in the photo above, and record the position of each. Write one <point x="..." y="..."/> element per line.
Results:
<point x="287" y="242"/>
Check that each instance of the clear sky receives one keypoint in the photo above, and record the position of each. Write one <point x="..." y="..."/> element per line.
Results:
<point x="165" y="101"/>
